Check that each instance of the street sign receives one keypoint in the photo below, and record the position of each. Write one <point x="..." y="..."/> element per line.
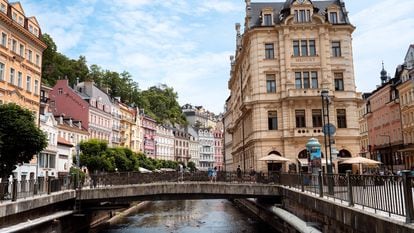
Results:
<point x="329" y="129"/>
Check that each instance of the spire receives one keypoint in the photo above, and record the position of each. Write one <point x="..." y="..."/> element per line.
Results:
<point x="383" y="73"/>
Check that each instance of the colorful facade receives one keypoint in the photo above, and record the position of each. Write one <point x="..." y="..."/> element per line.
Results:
<point x="21" y="51"/>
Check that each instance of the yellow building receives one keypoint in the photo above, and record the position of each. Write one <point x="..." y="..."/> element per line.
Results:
<point x="21" y="51"/>
<point x="127" y="123"/>
<point x="406" y="92"/>
<point x="289" y="52"/>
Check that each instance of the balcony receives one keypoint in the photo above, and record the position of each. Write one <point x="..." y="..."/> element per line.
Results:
<point x="308" y="132"/>
<point x="306" y="93"/>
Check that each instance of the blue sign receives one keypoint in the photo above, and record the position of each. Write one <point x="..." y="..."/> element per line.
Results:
<point x="329" y="129"/>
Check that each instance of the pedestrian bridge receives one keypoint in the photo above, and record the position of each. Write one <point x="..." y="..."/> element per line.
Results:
<point x="177" y="191"/>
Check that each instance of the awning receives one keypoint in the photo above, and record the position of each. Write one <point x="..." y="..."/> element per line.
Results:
<point x="406" y="150"/>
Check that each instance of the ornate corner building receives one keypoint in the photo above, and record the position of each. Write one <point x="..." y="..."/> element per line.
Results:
<point x="21" y="51"/>
<point x="288" y="53"/>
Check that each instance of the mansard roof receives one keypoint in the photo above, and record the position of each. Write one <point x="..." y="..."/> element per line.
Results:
<point x="282" y="8"/>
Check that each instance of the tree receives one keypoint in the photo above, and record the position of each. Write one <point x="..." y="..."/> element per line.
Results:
<point x="20" y="138"/>
<point x="191" y="166"/>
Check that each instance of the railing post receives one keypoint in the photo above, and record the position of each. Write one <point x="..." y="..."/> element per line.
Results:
<point x="350" y="194"/>
<point x="302" y="186"/>
<point x="49" y="185"/>
<point x="320" y="184"/>
<point x="35" y="187"/>
<point x="14" y="190"/>
<point x="408" y="197"/>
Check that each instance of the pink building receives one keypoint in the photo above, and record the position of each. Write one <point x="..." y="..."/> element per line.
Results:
<point x="66" y="102"/>
<point x="149" y="127"/>
<point x="218" y="149"/>
<point x="384" y="124"/>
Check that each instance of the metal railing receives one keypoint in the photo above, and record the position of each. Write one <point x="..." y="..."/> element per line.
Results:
<point x="13" y="190"/>
<point x="389" y="194"/>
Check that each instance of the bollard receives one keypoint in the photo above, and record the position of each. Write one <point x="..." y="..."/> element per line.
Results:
<point x="14" y="190"/>
<point x="320" y="184"/>
<point x="408" y="197"/>
<point x="350" y="194"/>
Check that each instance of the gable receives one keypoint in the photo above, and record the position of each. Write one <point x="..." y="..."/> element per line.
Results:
<point x="409" y="57"/>
<point x="17" y="6"/>
<point x="34" y="20"/>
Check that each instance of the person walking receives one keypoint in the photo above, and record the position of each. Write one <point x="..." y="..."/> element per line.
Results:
<point x="239" y="174"/>
<point x="214" y="175"/>
<point x="181" y="173"/>
<point x="210" y="174"/>
<point x="252" y="175"/>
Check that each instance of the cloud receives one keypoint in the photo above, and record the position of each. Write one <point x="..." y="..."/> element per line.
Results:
<point x="384" y="32"/>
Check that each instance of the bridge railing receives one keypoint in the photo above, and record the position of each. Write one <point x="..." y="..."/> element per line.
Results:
<point x="15" y="189"/>
<point x="387" y="194"/>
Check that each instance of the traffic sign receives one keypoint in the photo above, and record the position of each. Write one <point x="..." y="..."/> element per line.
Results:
<point x="329" y="129"/>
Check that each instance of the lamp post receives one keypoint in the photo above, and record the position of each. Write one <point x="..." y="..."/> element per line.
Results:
<point x="327" y="132"/>
<point x="389" y="151"/>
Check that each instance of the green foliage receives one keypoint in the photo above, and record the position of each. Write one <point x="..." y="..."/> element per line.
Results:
<point x="73" y="171"/>
<point x="96" y="156"/>
<point x="20" y="137"/>
<point x="191" y="166"/>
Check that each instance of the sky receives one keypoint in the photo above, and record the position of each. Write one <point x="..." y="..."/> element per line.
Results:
<point x="186" y="44"/>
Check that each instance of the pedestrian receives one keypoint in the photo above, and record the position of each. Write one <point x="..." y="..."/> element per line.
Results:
<point x="239" y="174"/>
<point x="181" y="173"/>
<point x="210" y="174"/>
<point x="214" y="175"/>
<point x="252" y="175"/>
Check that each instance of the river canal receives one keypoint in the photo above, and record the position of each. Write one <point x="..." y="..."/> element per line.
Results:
<point x="190" y="216"/>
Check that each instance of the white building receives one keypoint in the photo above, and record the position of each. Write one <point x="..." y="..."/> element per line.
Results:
<point x="206" y="148"/>
<point x="164" y="143"/>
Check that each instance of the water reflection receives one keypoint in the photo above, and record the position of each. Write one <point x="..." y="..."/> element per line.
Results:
<point x="189" y="217"/>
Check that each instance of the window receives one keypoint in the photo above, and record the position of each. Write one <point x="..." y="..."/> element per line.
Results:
<point x="19" y="79"/>
<point x="36" y="86"/>
<point x="4" y="39"/>
<point x="339" y="81"/>
<point x="312" y="48"/>
<point x="14" y="46"/>
<point x="336" y="48"/>
<point x="296" y="48"/>
<point x="341" y="118"/>
<point x="300" y="119"/>
<point x="21" y="50"/>
<point x="268" y="20"/>
<point x="304" y="48"/>
<point x="12" y="76"/>
<point x="29" y="54"/>
<point x="272" y="120"/>
<point x="306" y="79"/>
<point x="269" y="51"/>
<point x="14" y="16"/>
<point x="316" y="118"/>
<point x="270" y="83"/>
<point x="1" y="71"/>
<point x="314" y="76"/>
<point x="306" y="83"/>
<point x="20" y="20"/>
<point x="302" y="16"/>
<point x="333" y="17"/>
<point x="298" y="80"/>
<point x="3" y="8"/>
<point x="28" y="83"/>
<point x="37" y="59"/>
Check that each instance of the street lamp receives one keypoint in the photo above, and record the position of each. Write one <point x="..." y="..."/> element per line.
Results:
<point x="327" y="131"/>
<point x="389" y="151"/>
<point x="77" y="165"/>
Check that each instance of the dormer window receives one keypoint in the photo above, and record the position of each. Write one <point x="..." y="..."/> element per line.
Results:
<point x="302" y="16"/>
<point x="267" y="20"/>
<point x="3" y="8"/>
<point x="333" y="17"/>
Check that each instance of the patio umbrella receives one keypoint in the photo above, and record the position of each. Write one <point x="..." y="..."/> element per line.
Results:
<point x="361" y="161"/>
<point x="274" y="158"/>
